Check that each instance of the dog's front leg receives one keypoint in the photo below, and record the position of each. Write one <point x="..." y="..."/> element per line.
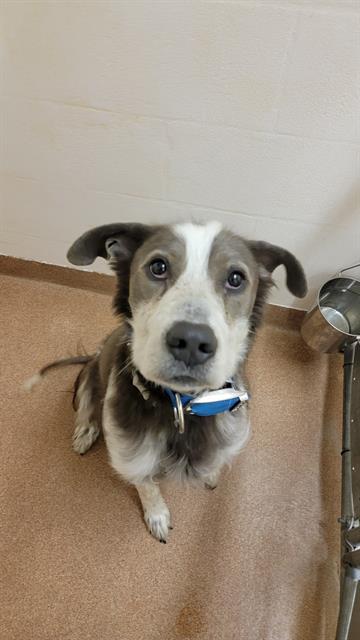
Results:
<point x="156" y="513"/>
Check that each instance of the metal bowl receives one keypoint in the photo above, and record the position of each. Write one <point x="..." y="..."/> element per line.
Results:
<point x="334" y="321"/>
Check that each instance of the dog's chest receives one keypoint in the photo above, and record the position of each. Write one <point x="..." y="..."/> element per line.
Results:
<point x="145" y="442"/>
<point x="188" y="452"/>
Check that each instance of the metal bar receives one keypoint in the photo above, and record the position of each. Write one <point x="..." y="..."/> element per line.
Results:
<point x="348" y="517"/>
<point x="348" y="595"/>
<point x="353" y="266"/>
<point x="347" y="500"/>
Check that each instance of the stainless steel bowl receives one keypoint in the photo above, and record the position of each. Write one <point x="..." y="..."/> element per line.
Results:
<point x="334" y="321"/>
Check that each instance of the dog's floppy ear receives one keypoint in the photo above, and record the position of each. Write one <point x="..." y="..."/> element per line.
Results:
<point x="111" y="241"/>
<point x="270" y="256"/>
<point x="117" y="243"/>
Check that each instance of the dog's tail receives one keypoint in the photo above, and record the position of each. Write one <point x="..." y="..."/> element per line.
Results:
<point x="64" y="362"/>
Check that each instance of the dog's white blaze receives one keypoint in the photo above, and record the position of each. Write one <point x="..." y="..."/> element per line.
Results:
<point x="198" y="241"/>
<point x="195" y="292"/>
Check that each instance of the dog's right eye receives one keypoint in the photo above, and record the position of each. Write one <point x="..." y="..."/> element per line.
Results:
<point x="158" y="268"/>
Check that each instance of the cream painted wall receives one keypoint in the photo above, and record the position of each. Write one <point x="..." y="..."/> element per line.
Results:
<point x="157" y="111"/>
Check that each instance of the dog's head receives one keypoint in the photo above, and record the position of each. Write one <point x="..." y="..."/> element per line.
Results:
<point x="193" y="294"/>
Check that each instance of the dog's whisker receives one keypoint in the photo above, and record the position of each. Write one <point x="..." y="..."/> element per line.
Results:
<point x="124" y="368"/>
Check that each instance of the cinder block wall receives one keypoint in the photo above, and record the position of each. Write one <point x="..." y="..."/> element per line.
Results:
<point x="243" y="111"/>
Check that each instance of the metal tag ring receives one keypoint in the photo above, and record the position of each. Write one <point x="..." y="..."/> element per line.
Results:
<point x="179" y="414"/>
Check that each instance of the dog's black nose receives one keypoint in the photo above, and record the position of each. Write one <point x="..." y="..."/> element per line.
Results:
<point x="191" y="343"/>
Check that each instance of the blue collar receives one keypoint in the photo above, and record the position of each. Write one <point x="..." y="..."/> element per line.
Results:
<point x="208" y="403"/>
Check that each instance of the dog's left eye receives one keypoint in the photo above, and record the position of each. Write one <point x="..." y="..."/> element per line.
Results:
<point x="235" y="280"/>
<point x="158" y="268"/>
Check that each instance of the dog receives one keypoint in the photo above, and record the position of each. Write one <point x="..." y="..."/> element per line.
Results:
<point x="167" y="387"/>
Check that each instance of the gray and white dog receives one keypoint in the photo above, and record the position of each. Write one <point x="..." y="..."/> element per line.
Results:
<point x="189" y="297"/>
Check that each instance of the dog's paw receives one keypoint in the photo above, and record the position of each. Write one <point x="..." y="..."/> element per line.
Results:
<point x="158" y="522"/>
<point x="211" y="481"/>
<point x="84" y="436"/>
<point x="209" y="486"/>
